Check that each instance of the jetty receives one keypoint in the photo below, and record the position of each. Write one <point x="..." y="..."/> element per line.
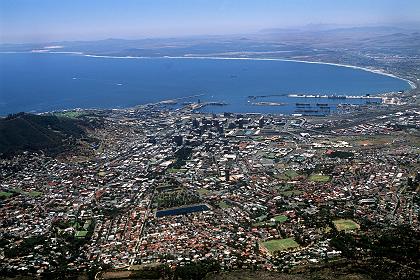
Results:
<point x="333" y="96"/>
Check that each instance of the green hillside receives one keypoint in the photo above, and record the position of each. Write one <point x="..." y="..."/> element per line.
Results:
<point x="28" y="132"/>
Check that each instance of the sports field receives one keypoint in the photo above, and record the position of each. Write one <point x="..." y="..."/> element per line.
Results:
<point x="280" y="244"/>
<point x="344" y="224"/>
<point x="223" y="204"/>
<point x="319" y="178"/>
<point x="280" y="218"/>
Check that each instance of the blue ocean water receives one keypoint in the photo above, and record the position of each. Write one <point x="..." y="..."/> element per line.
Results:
<point x="39" y="82"/>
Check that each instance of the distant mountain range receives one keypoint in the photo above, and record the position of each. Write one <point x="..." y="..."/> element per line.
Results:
<point x="268" y="40"/>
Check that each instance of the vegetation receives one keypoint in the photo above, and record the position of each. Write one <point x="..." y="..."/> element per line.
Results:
<point x="24" y="247"/>
<point x="264" y="224"/>
<point x="345" y="225"/>
<point x="203" y="191"/>
<point x="280" y="244"/>
<point x="5" y="194"/>
<point x="70" y="114"/>
<point x="196" y="271"/>
<point x="287" y="190"/>
<point x="81" y="233"/>
<point x="27" y="132"/>
<point x="176" y="170"/>
<point x="291" y="174"/>
<point x="319" y="178"/>
<point x="34" y="193"/>
<point x="388" y="252"/>
<point x="176" y="198"/>
<point x="333" y="270"/>
<point x="181" y="155"/>
<point x="223" y="204"/>
<point x="280" y="218"/>
<point x="341" y="154"/>
<point x="288" y="175"/>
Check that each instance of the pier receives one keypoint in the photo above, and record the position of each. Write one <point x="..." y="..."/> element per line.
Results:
<point x="333" y="96"/>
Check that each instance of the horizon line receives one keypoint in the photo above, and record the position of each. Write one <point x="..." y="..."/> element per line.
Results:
<point x="311" y="27"/>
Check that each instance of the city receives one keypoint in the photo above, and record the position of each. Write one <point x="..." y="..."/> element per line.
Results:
<point x="174" y="186"/>
<point x="210" y="140"/>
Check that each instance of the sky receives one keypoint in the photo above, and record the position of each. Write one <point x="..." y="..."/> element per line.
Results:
<point x="59" y="20"/>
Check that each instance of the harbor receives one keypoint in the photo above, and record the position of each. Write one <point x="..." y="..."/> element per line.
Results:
<point x="333" y="96"/>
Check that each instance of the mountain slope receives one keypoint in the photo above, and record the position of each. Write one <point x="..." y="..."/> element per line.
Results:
<point x="27" y="132"/>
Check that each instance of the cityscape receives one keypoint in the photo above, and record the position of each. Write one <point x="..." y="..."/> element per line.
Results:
<point x="176" y="186"/>
<point x="214" y="140"/>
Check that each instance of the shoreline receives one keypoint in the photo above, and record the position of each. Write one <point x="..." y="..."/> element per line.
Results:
<point x="375" y="71"/>
<point x="371" y="70"/>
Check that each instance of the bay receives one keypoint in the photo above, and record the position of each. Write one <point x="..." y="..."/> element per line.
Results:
<point x="39" y="82"/>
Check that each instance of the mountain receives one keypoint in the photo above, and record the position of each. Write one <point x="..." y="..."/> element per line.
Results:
<point x="28" y="132"/>
<point x="268" y="40"/>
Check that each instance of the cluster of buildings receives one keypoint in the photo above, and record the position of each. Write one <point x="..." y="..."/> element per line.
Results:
<point x="261" y="178"/>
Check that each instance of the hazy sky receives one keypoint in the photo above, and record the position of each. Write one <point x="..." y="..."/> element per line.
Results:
<point x="53" y="20"/>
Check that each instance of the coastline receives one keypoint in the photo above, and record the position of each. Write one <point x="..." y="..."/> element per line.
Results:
<point x="375" y="71"/>
<point x="371" y="70"/>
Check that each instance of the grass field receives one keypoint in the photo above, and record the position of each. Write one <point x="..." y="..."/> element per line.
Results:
<point x="343" y="224"/>
<point x="280" y="218"/>
<point x="288" y="175"/>
<point x="70" y="114"/>
<point x="19" y="191"/>
<point x="5" y="194"/>
<point x="34" y="193"/>
<point x="203" y="191"/>
<point x="177" y="170"/>
<point x="81" y="234"/>
<point x="287" y="190"/>
<point x="319" y="178"/>
<point x="264" y="224"/>
<point x="291" y="174"/>
<point x="284" y="187"/>
<point x="280" y="244"/>
<point x="223" y="204"/>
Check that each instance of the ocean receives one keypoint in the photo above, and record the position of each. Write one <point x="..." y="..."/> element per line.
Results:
<point x="40" y="82"/>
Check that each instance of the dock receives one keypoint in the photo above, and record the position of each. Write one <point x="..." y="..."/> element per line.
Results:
<point x="333" y="96"/>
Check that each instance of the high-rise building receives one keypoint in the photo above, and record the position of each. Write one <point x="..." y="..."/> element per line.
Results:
<point x="261" y="122"/>
<point x="195" y="123"/>
<point x="227" y="174"/>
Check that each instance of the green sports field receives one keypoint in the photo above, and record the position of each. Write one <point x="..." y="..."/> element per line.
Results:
<point x="280" y="244"/>
<point x="319" y="178"/>
<point x="280" y="218"/>
<point x="344" y="224"/>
